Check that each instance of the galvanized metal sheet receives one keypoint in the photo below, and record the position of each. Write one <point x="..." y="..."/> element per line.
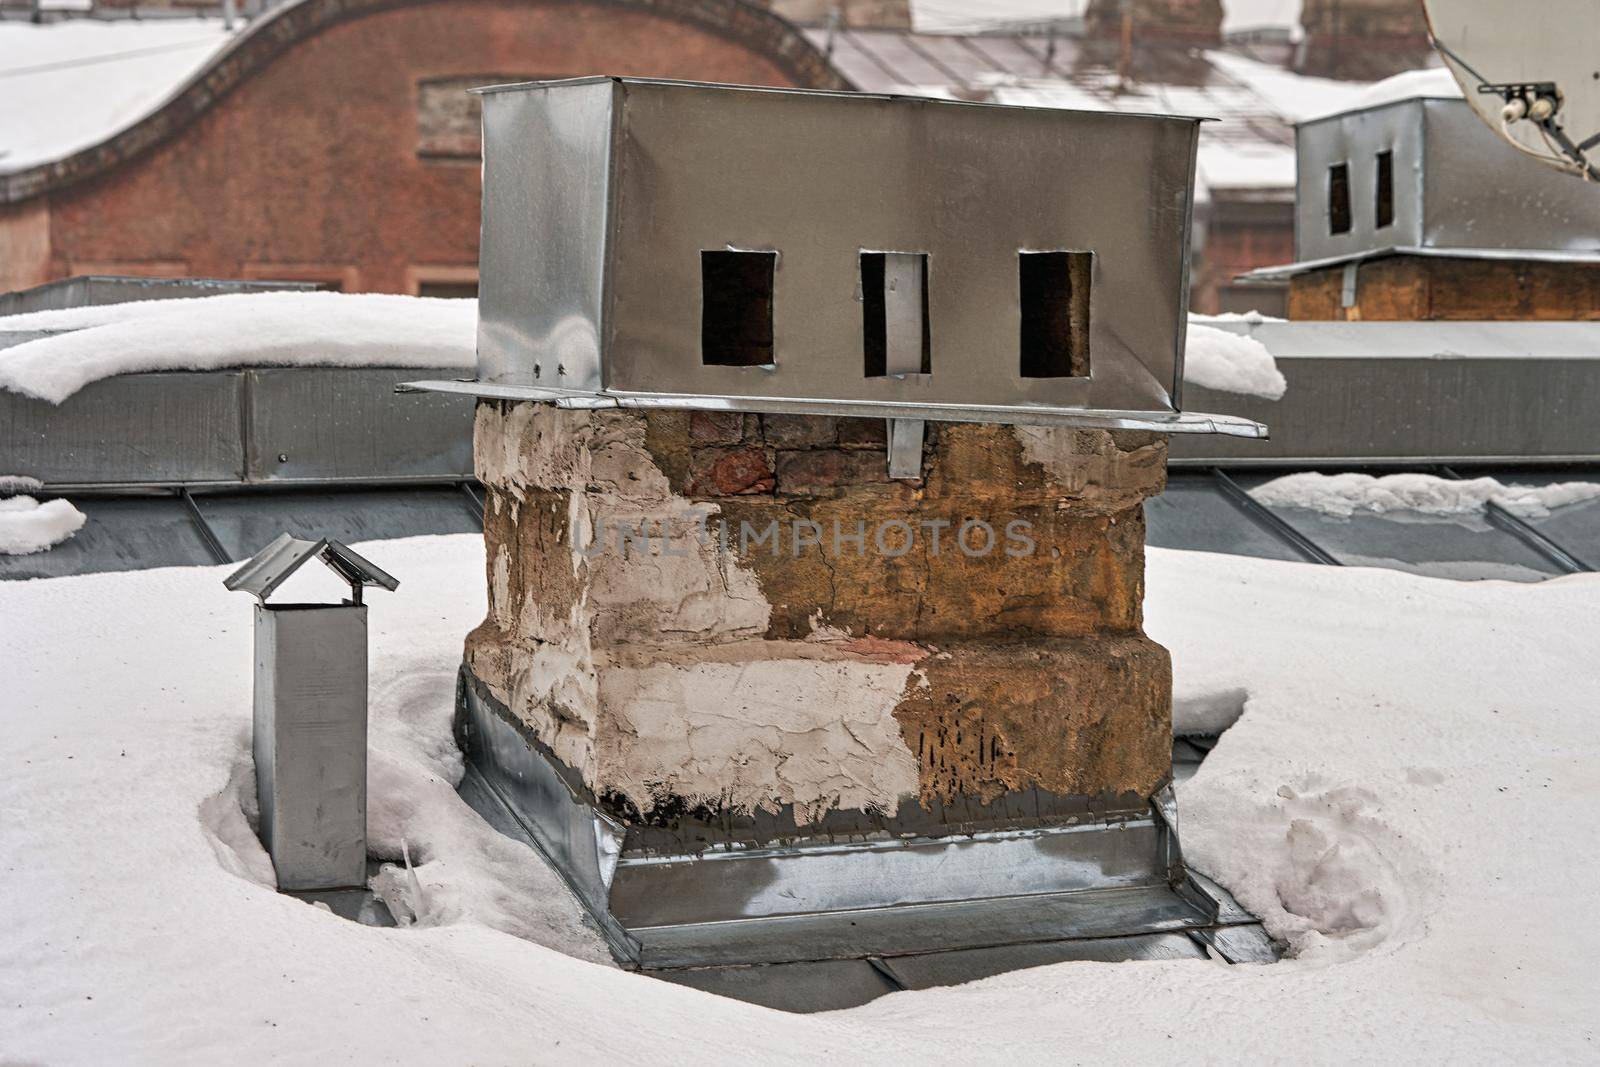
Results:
<point x="826" y="898"/>
<point x="1479" y="192"/>
<point x="904" y="281"/>
<point x="921" y="928"/>
<point x="952" y="968"/>
<point x="93" y="290"/>
<point x="134" y="428"/>
<point x="1456" y="185"/>
<point x="522" y="787"/>
<point x="698" y="167"/>
<point x="310" y="743"/>
<point x="310" y="424"/>
<point x="546" y="203"/>
<point x="1186" y="422"/>
<point x="348" y="424"/>
<point x="1246" y="943"/>
<point x="825" y="985"/>
<point x="273" y="565"/>
<point x="754" y="883"/>
<point x="1354" y="140"/>
<point x="1401" y="392"/>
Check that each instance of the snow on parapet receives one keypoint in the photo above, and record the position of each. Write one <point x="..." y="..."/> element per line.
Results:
<point x="1231" y="363"/>
<point x="27" y="526"/>
<point x="236" y="330"/>
<point x="1346" y="494"/>
<point x="373" y="330"/>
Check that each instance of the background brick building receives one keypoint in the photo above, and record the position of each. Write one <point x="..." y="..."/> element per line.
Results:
<point x="334" y="142"/>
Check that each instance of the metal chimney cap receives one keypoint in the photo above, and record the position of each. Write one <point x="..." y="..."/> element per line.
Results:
<point x="272" y="566"/>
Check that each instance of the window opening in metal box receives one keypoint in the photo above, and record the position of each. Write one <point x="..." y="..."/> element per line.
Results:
<point x="894" y="314"/>
<point x="736" y="309"/>
<point x="1339" y="198"/>
<point x="1055" y="313"/>
<point x="1384" y="208"/>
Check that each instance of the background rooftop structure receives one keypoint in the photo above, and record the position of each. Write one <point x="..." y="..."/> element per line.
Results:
<point x="149" y="146"/>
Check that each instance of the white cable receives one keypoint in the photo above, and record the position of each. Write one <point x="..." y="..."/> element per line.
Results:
<point x="1555" y="158"/>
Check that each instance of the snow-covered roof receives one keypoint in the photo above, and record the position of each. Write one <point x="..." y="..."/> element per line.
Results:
<point x="1432" y="83"/>
<point x="78" y="98"/>
<point x="68" y="85"/>
<point x="76" y="83"/>
<point x="1250" y="148"/>
<point x="963" y="16"/>
<point x="1403" y="798"/>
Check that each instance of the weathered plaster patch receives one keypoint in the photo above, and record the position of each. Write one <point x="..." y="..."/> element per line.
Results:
<point x="1122" y="468"/>
<point x="758" y="734"/>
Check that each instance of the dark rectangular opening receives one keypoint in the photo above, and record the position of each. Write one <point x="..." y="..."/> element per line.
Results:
<point x="1339" y="198"/>
<point x="1384" y="209"/>
<point x="894" y="314"/>
<point x="736" y="308"/>
<point x="1055" y="313"/>
<point x="449" y="290"/>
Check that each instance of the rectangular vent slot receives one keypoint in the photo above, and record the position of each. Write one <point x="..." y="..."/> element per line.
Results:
<point x="1384" y="209"/>
<point x="1339" y="198"/>
<point x="1055" y="313"/>
<point x="736" y="309"/>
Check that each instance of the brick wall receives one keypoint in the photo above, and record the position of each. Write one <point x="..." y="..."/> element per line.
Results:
<point x="321" y="165"/>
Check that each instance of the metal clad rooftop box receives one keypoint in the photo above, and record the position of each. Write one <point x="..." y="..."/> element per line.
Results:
<point x="792" y="250"/>
<point x="1426" y="175"/>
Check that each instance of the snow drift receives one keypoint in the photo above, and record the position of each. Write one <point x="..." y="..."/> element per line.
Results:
<point x="1405" y="797"/>
<point x="27" y="526"/>
<point x="236" y="330"/>
<point x="1346" y="494"/>
<point x="1231" y="363"/>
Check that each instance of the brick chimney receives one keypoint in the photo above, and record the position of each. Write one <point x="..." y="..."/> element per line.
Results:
<point x="1192" y="21"/>
<point x="1363" y="40"/>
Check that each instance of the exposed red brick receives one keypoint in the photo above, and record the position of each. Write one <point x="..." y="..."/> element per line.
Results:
<point x="823" y="470"/>
<point x="729" y="472"/>
<point x="800" y="431"/>
<point x="863" y="433"/>
<point x="715" y="427"/>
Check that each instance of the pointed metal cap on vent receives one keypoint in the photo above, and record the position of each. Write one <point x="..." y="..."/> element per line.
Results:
<point x="273" y="565"/>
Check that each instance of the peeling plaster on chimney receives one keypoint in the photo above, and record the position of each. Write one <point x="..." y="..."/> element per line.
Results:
<point x="1104" y="470"/>
<point x="669" y="650"/>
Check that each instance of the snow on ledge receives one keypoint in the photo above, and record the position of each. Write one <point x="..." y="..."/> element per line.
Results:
<point x="367" y="330"/>
<point x="236" y="330"/>
<point x="1231" y="363"/>
<point x="27" y="526"/>
<point x="1407" y="85"/>
<point x="1346" y="494"/>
